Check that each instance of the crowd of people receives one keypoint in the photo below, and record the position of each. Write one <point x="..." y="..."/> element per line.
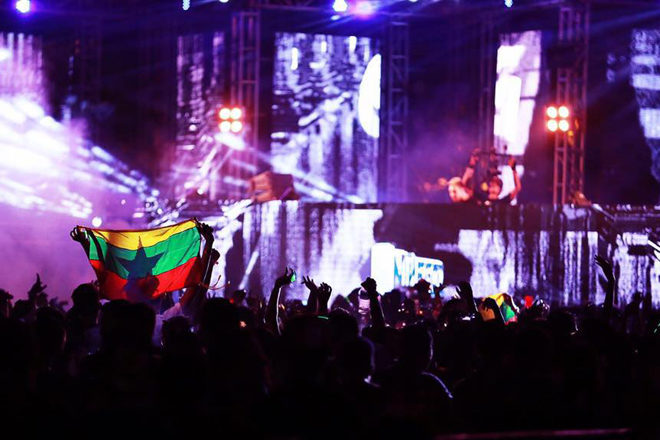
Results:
<point x="243" y="366"/>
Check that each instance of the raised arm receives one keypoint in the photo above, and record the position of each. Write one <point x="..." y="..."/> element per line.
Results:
<point x="312" y="300"/>
<point x="375" y="310"/>
<point x="272" y="320"/>
<point x="516" y="178"/>
<point x="80" y="235"/>
<point x="606" y="267"/>
<point x="324" y="293"/>
<point x="193" y="297"/>
<point x="469" y="170"/>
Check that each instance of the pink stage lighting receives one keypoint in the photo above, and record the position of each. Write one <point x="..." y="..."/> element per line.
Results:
<point x="363" y="8"/>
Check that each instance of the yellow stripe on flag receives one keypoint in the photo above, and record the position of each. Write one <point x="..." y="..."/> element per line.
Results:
<point x="132" y="240"/>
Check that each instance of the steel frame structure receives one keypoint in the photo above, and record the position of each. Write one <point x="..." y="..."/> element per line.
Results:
<point x="393" y="172"/>
<point x="244" y="91"/>
<point x="487" y="71"/>
<point x="571" y="90"/>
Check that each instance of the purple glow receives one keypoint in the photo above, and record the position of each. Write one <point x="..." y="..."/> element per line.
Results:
<point x="363" y="8"/>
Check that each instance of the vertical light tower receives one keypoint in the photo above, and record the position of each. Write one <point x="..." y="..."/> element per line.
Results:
<point x="571" y="91"/>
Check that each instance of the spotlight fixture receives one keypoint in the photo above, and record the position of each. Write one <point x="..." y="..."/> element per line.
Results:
<point x="557" y="118"/>
<point x="230" y="119"/>
<point x="23" y="6"/>
<point x="340" y="6"/>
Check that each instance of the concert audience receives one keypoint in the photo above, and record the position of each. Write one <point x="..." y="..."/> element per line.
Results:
<point x="239" y="367"/>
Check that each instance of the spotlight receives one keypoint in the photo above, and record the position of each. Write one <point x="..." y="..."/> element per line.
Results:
<point x="236" y="126"/>
<point x="225" y="113"/>
<point x="23" y="6"/>
<point x="224" y="1"/>
<point x="236" y="113"/>
<point x="563" y="112"/>
<point x="551" y="112"/>
<point x="97" y="221"/>
<point x="508" y="3"/>
<point x="185" y="5"/>
<point x="363" y="8"/>
<point x="563" y="125"/>
<point x="552" y="125"/>
<point x="340" y="6"/>
<point x="224" y="126"/>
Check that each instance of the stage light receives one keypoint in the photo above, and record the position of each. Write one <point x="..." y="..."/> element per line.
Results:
<point x="564" y="125"/>
<point x="236" y="126"/>
<point x="563" y="112"/>
<point x="224" y="1"/>
<point x="185" y="5"/>
<point x="363" y="8"/>
<point x="552" y="125"/>
<point x="236" y="113"/>
<point x="97" y="221"/>
<point x="224" y="126"/>
<point x="551" y="112"/>
<point x="23" y="6"/>
<point x="340" y="6"/>
<point x="5" y="54"/>
<point x="225" y="113"/>
<point x="508" y="3"/>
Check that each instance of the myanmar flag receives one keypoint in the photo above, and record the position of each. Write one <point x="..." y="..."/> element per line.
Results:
<point x="144" y="264"/>
<point x="505" y="302"/>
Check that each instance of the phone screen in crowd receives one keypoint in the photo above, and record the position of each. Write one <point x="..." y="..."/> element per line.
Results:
<point x="293" y="277"/>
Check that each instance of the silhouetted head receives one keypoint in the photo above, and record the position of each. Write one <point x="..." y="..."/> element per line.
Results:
<point x="494" y="188"/>
<point x="86" y="303"/>
<point x="416" y="347"/>
<point x="50" y="331"/>
<point x="355" y="359"/>
<point x="127" y="325"/>
<point x="218" y="318"/>
<point x="342" y="326"/>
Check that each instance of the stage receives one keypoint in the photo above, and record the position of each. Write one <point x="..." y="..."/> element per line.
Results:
<point x="523" y="250"/>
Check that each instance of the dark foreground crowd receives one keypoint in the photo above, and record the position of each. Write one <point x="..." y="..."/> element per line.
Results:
<point x="239" y="367"/>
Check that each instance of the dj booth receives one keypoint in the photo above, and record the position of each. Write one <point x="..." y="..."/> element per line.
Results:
<point x="533" y="250"/>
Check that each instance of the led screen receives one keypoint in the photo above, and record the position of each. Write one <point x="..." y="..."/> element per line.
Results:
<point x="518" y="77"/>
<point x="325" y="115"/>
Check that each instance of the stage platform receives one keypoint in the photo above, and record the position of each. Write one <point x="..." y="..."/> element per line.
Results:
<point x="533" y="250"/>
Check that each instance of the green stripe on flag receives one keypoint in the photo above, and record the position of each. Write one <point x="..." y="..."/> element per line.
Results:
<point x="171" y="253"/>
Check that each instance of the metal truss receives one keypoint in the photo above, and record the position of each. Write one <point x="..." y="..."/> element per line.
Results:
<point x="487" y="70"/>
<point x="393" y="172"/>
<point x="571" y="90"/>
<point x="87" y="58"/>
<point x="244" y="91"/>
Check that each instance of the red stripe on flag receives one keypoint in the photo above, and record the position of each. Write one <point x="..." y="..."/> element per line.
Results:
<point x="112" y="286"/>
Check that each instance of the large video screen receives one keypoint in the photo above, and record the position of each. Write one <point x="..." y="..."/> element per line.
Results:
<point x="326" y="115"/>
<point x="645" y="78"/>
<point x="516" y="89"/>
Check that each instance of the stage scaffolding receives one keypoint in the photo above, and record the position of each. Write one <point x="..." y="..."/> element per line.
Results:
<point x="245" y="66"/>
<point x="244" y="92"/>
<point x="571" y="90"/>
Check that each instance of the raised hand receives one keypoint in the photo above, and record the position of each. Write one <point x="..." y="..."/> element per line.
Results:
<point x="206" y="231"/>
<point x="78" y="234"/>
<point x="286" y="279"/>
<point x="36" y="289"/>
<point x="369" y="285"/>
<point x="512" y="162"/>
<point x="474" y="157"/>
<point x="325" y="291"/>
<point x="310" y="284"/>
<point x="605" y="266"/>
